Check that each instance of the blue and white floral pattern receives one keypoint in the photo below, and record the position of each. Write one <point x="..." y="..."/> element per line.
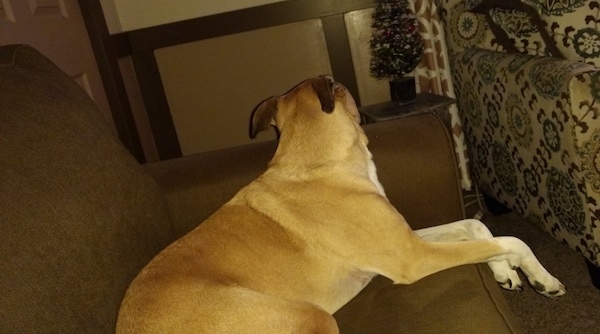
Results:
<point x="589" y="153"/>
<point x="587" y="43"/>
<point x="565" y="202"/>
<point x="549" y="76"/>
<point x="574" y="27"/>
<point x="503" y="165"/>
<point x="519" y="121"/>
<point x="556" y="7"/>
<point x="533" y="128"/>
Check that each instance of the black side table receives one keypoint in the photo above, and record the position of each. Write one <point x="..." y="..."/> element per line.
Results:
<point x="426" y="102"/>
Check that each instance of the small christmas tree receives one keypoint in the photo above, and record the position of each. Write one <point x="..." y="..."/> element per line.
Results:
<point x="396" y="45"/>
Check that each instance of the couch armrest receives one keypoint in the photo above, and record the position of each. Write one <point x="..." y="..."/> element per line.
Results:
<point x="414" y="155"/>
<point x="417" y="166"/>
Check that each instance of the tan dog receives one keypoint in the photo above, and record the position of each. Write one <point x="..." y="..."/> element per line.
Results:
<point x="306" y="236"/>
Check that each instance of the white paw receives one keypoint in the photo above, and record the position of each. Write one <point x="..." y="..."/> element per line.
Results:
<point x="540" y="279"/>
<point x="507" y="277"/>
<point x="537" y="275"/>
<point x="550" y="287"/>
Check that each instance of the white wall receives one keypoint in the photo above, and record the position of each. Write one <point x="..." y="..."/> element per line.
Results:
<point x="127" y="15"/>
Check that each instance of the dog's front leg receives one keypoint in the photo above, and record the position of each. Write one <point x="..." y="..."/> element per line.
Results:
<point x="470" y="229"/>
<point x="513" y="253"/>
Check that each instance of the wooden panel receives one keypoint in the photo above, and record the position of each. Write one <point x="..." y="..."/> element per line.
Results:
<point x="213" y="85"/>
<point x="157" y="107"/>
<point x="135" y="101"/>
<point x="110" y="74"/>
<point x="238" y="21"/>
<point x="339" y="52"/>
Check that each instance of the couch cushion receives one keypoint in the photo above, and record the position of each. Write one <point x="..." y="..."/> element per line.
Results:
<point x="198" y="185"/>
<point x="78" y="216"/>
<point x="463" y="299"/>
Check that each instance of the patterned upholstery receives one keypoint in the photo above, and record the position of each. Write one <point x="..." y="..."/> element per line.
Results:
<point x="531" y="122"/>
<point x="573" y="25"/>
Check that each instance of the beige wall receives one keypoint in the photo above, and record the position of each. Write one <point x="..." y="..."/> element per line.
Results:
<point x="127" y="15"/>
<point x="213" y="85"/>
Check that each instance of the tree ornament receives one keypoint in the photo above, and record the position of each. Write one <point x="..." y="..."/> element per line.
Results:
<point x="396" y="45"/>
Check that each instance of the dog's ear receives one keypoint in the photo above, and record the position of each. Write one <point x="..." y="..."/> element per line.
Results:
<point x="324" y="87"/>
<point x="263" y="116"/>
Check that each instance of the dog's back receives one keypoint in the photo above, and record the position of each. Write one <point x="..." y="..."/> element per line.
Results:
<point x="242" y="268"/>
<point x="273" y="259"/>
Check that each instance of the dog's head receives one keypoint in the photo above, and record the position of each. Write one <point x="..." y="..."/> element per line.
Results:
<point x="307" y="102"/>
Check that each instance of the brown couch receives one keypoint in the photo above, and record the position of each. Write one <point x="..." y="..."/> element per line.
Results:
<point x="79" y="217"/>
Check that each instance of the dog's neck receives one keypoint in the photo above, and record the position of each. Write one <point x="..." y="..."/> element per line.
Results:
<point x="326" y="139"/>
<point x="338" y="145"/>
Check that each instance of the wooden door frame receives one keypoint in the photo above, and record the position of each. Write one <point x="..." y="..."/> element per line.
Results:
<point x="107" y="60"/>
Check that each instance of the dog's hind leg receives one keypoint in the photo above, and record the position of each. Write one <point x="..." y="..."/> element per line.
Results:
<point x="515" y="254"/>
<point x="253" y="312"/>
<point x="216" y="308"/>
<point x="469" y="229"/>
<point x="248" y="311"/>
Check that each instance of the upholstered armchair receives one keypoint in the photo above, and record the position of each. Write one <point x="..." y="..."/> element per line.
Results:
<point x="528" y="91"/>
